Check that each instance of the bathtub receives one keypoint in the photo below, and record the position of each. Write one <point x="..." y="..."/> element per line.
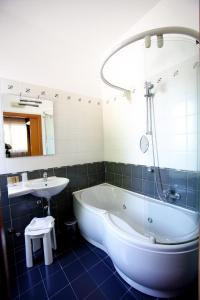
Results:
<point x="153" y="244"/>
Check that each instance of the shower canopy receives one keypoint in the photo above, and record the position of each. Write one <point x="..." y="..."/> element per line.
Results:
<point x="147" y="54"/>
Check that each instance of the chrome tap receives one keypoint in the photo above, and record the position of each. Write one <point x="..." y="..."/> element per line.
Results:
<point x="171" y="195"/>
<point x="45" y="176"/>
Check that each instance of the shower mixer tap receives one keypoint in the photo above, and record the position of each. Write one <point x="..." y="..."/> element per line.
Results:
<point x="171" y="195"/>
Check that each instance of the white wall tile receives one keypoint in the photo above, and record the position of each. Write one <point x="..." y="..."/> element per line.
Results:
<point x="175" y="101"/>
<point x="78" y="131"/>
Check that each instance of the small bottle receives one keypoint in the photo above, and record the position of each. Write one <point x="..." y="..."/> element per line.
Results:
<point x="24" y="177"/>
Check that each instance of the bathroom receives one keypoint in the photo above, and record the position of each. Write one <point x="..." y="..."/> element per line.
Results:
<point x="115" y="148"/>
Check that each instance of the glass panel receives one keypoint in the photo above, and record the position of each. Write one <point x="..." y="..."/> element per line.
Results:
<point x="172" y="110"/>
<point x="173" y="70"/>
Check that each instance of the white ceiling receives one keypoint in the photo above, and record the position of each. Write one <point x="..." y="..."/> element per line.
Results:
<point x="61" y="43"/>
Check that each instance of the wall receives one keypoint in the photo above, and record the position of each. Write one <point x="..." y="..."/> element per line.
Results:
<point x="175" y="107"/>
<point x="141" y="179"/>
<point x="176" y="100"/>
<point x="78" y="130"/>
<point x="61" y="45"/>
<point x="165" y="13"/>
<point x="19" y="211"/>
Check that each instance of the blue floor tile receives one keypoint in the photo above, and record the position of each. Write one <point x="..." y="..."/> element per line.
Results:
<point x="129" y="296"/>
<point x="83" y="286"/>
<point x="89" y="260"/>
<point x="100" y="273"/>
<point x="113" y="288"/>
<point x="82" y="272"/>
<point x="22" y="268"/>
<point x="100" y="252"/>
<point x="109" y="263"/>
<point x="96" y="295"/>
<point x="67" y="258"/>
<point x="81" y="250"/>
<point x="36" y="293"/>
<point x="141" y="296"/>
<point x="90" y="245"/>
<point x="65" y="294"/>
<point x="73" y="270"/>
<point x="50" y="269"/>
<point x="14" y="288"/>
<point x="38" y="257"/>
<point x="55" y="282"/>
<point x="28" y="280"/>
<point x="122" y="280"/>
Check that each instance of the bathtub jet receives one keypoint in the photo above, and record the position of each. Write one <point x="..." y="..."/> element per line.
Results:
<point x="158" y="241"/>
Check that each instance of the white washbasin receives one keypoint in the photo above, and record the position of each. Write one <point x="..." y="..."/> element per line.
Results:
<point x="46" y="189"/>
<point x="17" y="189"/>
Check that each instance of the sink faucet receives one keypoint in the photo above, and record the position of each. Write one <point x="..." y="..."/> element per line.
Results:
<point x="45" y="176"/>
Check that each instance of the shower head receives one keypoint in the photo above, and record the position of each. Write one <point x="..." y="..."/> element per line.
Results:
<point x="148" y="85"/>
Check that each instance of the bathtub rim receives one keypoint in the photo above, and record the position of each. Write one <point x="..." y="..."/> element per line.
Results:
<point x="127" y="238"/>
<point x="152" y="247"/>
<point x="132" y="193"/>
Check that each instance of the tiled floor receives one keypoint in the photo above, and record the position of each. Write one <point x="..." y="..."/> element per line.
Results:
<point x="81" y="271"/>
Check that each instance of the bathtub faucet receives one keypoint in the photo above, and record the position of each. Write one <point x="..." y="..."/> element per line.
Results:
<point x="171" y="195"/>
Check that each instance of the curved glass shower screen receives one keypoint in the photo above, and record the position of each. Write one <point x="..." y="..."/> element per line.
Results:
<point x="125" y="66"/>
<point x="147" y="54"/>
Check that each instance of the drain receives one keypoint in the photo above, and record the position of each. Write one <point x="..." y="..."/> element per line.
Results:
<point x="150" y="220"/>
<point x="124" y="206"/>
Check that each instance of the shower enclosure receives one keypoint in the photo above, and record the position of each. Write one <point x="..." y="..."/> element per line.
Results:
<point x="157" y="72"/>
<point x="160" y="67"/>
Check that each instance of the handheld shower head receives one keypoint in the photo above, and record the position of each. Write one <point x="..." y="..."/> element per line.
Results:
<point x="148" y="85"/>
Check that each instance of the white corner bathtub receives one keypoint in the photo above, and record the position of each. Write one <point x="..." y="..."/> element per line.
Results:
<point x="153" y="244"/>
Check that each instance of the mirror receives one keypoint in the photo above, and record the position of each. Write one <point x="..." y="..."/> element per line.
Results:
<point x="28" y="126"/>
<point x="144" y="144"/>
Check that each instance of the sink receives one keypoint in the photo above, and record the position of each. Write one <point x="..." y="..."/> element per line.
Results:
<point x="46" y="189"/>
